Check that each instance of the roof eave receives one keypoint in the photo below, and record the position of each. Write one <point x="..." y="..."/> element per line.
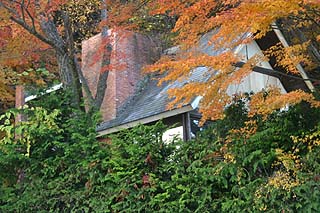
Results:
<point x="150" y="119"/>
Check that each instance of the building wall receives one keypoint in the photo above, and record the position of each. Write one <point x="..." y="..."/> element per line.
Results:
<point x="254" y="82"/>
<point x="130" y="52"/>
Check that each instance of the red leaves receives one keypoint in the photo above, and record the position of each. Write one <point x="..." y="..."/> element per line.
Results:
<point x="149" y="160"/>
<point x="5" y="35"/>
<point x="145" y="180"/>
<point x="146" y="177"/>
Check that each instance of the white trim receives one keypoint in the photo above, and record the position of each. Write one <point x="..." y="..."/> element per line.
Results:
<point x="146" y="120"/>
<point x="195" y="102"/>
<point x="54" y="88"/>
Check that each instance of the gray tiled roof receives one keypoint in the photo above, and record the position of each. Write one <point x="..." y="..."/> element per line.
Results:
<point x="149" y="101"/>
<point x="153" y="99"/>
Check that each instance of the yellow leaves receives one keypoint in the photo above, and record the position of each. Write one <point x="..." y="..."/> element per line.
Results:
<point x="286" y="178"/>
<point x="193" y="21"/>
<point x="83" y="15"/>
<point x="236" y="76"/>
<point x="194" y="17"/>
<point x="290" y="161"/>
<point x="252" y="16"/>
<point x="265" y="102"/>
<point x="5" y="15"/>
<point x="181" y="66"/>
<point x="218" y="74"/>
<point x="310" y="140"/>
<point x="121" y="13"/>
<point x="283" y="180"/>
<point x="173" y="7"/>
<point x="229" y="158"/>
<point x="291" y="56"/>
<point x="249" y="129"/>
<point x="7" y="92"/>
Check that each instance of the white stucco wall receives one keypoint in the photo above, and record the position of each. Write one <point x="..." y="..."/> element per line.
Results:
<point x="170" y="134"/>
<point x="254" y="82"/>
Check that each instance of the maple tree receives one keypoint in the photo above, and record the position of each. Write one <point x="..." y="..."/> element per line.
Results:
<point x="49" y="33"/>
<point x="236" y="22"/>
<point x="52" y="35"/>
<point x="61" y="25"/>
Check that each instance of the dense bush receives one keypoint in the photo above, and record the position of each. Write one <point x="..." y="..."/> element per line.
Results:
<point x="53" y="162"/>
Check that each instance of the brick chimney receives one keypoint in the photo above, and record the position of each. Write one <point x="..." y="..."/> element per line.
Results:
<point x="130" y="52"/>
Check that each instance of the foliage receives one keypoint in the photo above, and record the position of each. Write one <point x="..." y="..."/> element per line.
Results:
<point x="273" y="174"/>
<point x="32" y="78"/>
<point x="136" y="15"/>
<point x="48" y="34"/>
<point x="44" y="156"/>
<point x="252" y="160"/>
<point x="6" y="90"/>
<point x="229" y="24"/>
<point x="52" y="33"/>
<point x="53" y="162"/>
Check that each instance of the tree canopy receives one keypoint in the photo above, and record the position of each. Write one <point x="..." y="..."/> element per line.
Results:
<point x="237" y="22"/>
<point x="53" y="30"/>
<point x="253" y="159"/>
<point x="48" y="34"/>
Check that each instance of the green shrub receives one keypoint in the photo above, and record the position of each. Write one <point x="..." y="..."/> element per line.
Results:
<point x="54" y="162"/>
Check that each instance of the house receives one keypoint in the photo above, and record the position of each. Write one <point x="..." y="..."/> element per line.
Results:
<point x="147" y="104"/>
<point x="132" y="98"/>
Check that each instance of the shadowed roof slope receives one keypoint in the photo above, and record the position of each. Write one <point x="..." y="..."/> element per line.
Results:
<point x="150" y="100"/>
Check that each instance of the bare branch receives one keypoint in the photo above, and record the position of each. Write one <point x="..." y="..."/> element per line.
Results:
<point x="31" y="30"/>
<point x="102" y="81"/>
<point x="10" y="10"/>
<point x="32" y="19"/>
<point x="68" y="32"/>
<point x="49" y="28"/>
<point x="104" y="16"/>
<point x="22" y="11"/>
<point x="101" y="89"/>
<point x="84" y="83"/>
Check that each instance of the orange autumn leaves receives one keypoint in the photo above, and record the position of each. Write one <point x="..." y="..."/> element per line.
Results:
<point x="239" y="22"/>
<point x="266" y="102"/>
<point x="20" y="48"/>
<point x="195" y="17"/>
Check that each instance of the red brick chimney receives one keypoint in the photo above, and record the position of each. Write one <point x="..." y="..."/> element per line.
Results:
<point x="130" y="52"/>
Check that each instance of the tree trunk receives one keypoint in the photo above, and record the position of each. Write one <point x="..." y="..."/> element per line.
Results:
<point x="70" y="78"/>
<point x="65" y="53"/>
